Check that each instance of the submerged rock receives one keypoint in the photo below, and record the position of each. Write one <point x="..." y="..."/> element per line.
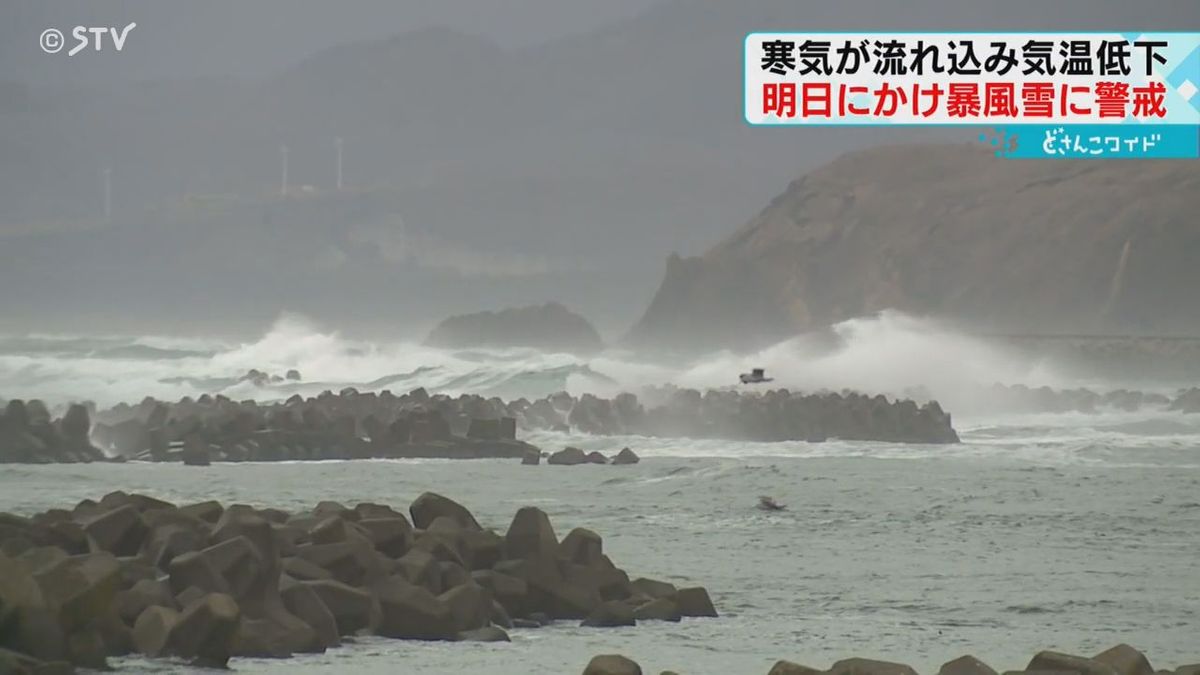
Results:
<point x="788" y="668"/>
<point x="488" y="634"/>
<point x="966" y="665"/>
<point x="1049" y="660"/>
<point x="610" y="614"/>
<point x="626" y="456"/>
<point x="612" y="664"/>
<point x="569" y="456"/>
<point x="659" y="609"/>
<point x="695" y="602"/>
<point x="860" y="666"/>
<point x="1125" y="660"/>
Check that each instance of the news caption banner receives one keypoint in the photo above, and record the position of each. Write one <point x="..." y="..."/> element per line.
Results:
<point x="1044" y="95"/>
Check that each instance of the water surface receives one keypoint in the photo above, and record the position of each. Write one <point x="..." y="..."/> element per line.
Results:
<point x="1062" y="532"/>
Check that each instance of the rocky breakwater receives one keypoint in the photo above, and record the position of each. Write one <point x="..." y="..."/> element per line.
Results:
<point x="1188" y="401"/>
<point x="348" y="425"/>
<point x="133" y="574"/>
<point x="29" y="434"/>
<point x="1023" y="399"/>
<point x="1119" y="660"/>
<point x="358" y="425"/>
<point x="777" y="415"/>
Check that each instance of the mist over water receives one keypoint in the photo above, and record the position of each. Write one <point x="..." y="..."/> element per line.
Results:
<point x="917" y="553"/>
<point x="891" y="353"/>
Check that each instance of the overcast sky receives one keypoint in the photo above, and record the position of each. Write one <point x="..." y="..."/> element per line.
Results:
<point x="182" y="38"/>
<point x="539" y="150"/>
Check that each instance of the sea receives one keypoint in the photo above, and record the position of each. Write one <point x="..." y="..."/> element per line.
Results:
<point x="1071" y="531"/>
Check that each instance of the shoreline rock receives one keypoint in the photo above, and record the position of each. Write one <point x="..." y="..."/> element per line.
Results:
<point x="209" y="583"/>
<point x="1121" y="659"/>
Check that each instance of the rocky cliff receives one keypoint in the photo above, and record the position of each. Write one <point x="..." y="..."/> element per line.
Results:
<point x="948" y="230"/>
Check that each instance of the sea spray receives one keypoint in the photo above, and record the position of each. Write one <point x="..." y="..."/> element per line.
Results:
<point x="889" y="353"/>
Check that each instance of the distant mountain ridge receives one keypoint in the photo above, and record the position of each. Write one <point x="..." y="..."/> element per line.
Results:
<point x="577" y="163"/>
<point x="948" y="230"/>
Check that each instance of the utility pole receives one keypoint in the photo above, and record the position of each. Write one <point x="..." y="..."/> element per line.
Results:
<point x="338" y="143"/>
<point x="107" y="173"/>
<point x="283" y="154"/>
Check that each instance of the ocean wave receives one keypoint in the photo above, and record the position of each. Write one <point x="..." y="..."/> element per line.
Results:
<point x="108" y="369"/>
<point x="889" y="353"/>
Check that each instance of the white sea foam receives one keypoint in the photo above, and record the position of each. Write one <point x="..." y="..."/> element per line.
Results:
<point x="889" y="353"/>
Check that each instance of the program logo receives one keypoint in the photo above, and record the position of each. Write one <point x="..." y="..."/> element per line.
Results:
<point x="98" y="38"/>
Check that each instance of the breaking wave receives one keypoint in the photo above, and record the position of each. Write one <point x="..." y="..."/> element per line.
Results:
<point x="890" y="353"/>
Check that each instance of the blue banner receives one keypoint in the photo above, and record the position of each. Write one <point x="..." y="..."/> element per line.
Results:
<point x="1095" y="141"/>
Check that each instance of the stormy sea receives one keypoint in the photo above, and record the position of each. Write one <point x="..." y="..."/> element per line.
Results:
<point x="1069" y="530"/>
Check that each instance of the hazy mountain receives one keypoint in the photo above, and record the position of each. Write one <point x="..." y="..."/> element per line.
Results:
<point x="477" y="173"/>
<point x="549" y="327"/>
<point x="949" y="230"/>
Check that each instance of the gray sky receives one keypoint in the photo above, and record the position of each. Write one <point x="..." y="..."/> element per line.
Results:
<point x="184" y="38"/>
<point x="497" y="152"/>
